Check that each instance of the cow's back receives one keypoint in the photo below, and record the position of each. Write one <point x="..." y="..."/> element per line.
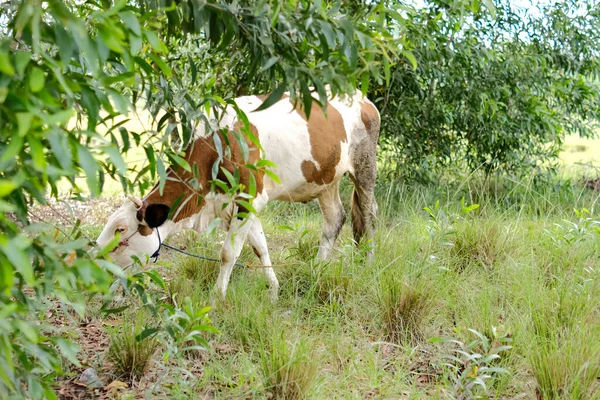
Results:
<point x="310" y="154"/>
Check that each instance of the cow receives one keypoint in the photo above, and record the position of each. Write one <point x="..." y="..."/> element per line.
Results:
<point x="311" y="156"/>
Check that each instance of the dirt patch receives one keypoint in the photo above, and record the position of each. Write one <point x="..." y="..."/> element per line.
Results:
<point x="67" y="211"/>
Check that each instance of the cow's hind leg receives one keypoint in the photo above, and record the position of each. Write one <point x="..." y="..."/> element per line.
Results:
<point x="258" y="241"/>
<point x="363" y="204"/>
<point x="334" y="217"/>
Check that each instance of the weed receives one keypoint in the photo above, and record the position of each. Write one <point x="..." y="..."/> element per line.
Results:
<point x="202" y="273"/>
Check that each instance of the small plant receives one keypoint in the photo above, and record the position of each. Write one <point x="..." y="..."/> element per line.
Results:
<point x="569" y="232"/>
<point x="470" y="366"/>
<point x="403" y="306"/>
<point x="129" y="355"/>
<point x="306" y="246"/>
<point x="290" y="369"/>
<point x="441" y="226"/>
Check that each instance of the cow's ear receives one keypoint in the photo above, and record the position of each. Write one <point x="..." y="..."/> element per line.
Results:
<point x="156" y="215"/>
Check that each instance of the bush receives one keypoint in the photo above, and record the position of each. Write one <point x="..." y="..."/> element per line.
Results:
<point x="497" y="92"/>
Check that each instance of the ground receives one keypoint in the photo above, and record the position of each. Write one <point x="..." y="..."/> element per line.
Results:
<point x="510" y="274"/>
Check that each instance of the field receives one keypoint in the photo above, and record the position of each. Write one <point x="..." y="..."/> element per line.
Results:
<point x="478" y="288"/>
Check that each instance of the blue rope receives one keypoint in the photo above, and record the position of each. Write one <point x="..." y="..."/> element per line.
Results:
<point x="196" y="255"/>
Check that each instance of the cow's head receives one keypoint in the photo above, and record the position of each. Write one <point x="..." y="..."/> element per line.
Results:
<point x="136" y="223"/>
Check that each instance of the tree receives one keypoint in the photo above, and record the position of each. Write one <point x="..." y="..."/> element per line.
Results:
<point x="496" y="91"/>
<point x="94" y="61"/>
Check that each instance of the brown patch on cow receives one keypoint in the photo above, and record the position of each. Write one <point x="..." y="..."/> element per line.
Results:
<point x="145" y="230"/>
<point x="203" y="154"/>
<point x="326" y="135"/>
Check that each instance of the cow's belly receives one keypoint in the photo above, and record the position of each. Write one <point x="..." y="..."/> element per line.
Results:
<point x="289" y="155"/>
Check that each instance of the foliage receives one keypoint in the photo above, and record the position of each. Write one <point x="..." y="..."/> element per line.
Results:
<point x="67" y="70"/>
<point x="497" y="91"/>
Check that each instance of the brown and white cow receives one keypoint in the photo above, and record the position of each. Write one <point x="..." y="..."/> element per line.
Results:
<point x="311" y="157"/>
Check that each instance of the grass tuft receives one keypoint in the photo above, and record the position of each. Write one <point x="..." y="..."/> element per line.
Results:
<point x="404" y="306"/>
<point x="130" y="357"/>
<point x="290" y="369"/>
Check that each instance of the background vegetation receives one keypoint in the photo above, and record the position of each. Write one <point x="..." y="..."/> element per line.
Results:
<point x="462" y="85"/>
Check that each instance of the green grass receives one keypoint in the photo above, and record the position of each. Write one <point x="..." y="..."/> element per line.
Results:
<point x="523" y="265"/>
<point x="522" y="268"/>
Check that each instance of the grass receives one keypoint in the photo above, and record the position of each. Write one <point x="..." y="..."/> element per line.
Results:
<point x="523" y="266"/>
<point x="129" y="356"/>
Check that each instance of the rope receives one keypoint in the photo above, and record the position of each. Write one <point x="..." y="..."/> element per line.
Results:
<point x="199" y="256"/>
<point x="215" y="260"/>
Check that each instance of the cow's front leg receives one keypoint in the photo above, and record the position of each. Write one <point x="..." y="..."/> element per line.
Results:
<point x="258" y="241"/>
<point x="236" y="236"/>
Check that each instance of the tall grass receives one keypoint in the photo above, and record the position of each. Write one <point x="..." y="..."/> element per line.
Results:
<point x="524" y="264"/>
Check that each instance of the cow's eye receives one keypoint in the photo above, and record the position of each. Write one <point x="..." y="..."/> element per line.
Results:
<point x="120" y="229"/>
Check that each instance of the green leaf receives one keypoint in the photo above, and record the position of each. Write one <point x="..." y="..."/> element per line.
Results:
<point x="5" y="65"/>
<point x="68" y="349"/>
<point x="328" y="33"/>
<point x="13" y="148"/>
<point x="266" y="163"/>
<point x="61" y="149"/>
<point x="27" y="330"/>
<point x="213" y="225"/>
<point x="273" y="176"/>
<point x="146" y="333"/>
<point x="3" y="93"/>
<point x="131" y="22"/>
<point x="22" y="58"/>
<point x="269" y="63"/>
<point x="14" y="250"/>
<point x="37" y="80"/>
<point x="59" y="118"/>
<point x="180" y="162"/>
<point x="24" y="121"/>
<point x="411" y="58"/>
<point x="90" y="167"/>
<point x="155" y="42"/>
<point x="246" y="205"/>
<point x="6" y="187"/>
<point x="162" y="175"/>
<point x="116" y="158"/>
<point x="37" y="153"/>
<point x="156" y="278"/>
<point x="112" y="268"/>
<point x="273" y="97"/>
<point x="162" y="65"/>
